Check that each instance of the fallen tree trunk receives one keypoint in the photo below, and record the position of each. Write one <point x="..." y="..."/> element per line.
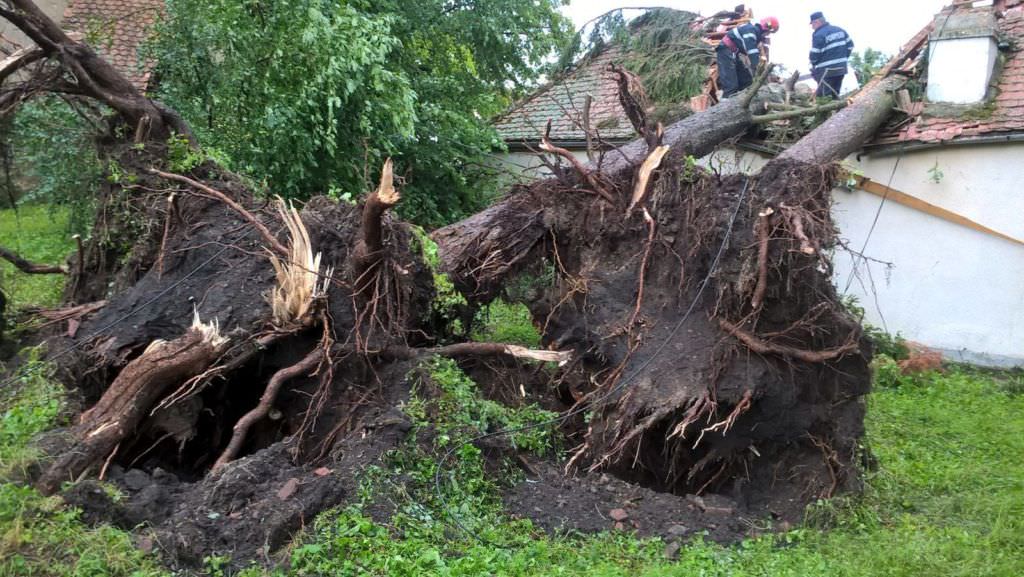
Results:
<point x="848" y="129"/>
<point x="129" y="400"/>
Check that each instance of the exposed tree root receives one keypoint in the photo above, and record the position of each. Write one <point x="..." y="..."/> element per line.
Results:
<point x="586" y="174"/>
<point x="727" y="423"/>
<point x="796" y="226"/>
<point x="762" y="347"/>
<point x="269" y="238"/>
<point x="763" y="236"/>
<point x="70" y="313"/>
<point x="308" y="363"/>
<point x="129" y="399"/>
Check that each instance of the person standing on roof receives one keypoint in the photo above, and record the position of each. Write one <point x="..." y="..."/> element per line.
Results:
<point x="739" y="52"/>
<point x="831" y="47"/>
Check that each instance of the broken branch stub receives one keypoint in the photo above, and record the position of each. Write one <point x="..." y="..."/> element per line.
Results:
<point x="371" y="242"/>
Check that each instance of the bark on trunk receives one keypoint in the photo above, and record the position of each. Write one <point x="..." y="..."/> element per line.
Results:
<point x="849" y="128"/>
<point x="128" y="401"/>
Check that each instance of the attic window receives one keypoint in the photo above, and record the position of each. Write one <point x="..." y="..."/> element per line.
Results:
<point x="962" y="53"/>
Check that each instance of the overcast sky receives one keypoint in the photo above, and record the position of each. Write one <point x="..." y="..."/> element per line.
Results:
<point x="880" y="24"/>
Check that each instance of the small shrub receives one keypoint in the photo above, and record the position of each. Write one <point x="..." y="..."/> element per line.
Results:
<point x="181" y="156"/>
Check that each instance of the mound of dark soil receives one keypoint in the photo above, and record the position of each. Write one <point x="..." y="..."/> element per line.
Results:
<point x="720" y="378"/>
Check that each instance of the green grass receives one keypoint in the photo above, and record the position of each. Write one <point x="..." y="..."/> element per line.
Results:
<point x="947" y="499"/>
<point x="502" y="322"/>
<point x="39" y="536"/>
<point x="40" y="234"/>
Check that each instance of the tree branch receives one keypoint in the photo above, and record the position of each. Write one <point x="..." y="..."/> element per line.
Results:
<point x="29" y="267"/>
<point x="763" y="118"/>
<point x="270" y="239"/>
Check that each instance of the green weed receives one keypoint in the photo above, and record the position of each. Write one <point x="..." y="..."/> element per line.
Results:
<point x="181" y="156"/>
<point x="29" y="405"/>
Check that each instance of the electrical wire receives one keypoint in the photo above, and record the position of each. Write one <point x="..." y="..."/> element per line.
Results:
<point x="438" y="472"/>
<point x="81" y="343"/>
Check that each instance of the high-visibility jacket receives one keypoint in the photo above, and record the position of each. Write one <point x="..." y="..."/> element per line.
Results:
<point x="830" y="49"/>
<point x="745" y="39"/>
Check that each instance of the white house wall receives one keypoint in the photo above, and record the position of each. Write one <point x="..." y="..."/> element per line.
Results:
<point x="526" y="165"/>
<point x="949" y="287"/>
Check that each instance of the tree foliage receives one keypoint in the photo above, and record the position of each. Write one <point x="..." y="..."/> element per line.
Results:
<point x="52" y="158"/>
<point x="865" y="64"/>
<point x="310" y="95"/>
<point x="659" y="45"/>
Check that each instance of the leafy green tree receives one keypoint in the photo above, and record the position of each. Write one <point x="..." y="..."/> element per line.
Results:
<point x="52" y="158"/>
<point x="311" y="95"/>
<point x="865" y="64"/>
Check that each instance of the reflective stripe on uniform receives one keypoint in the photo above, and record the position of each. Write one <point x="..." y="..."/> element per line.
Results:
<point x="831" y="62"/>
<point x="834" y="45"/>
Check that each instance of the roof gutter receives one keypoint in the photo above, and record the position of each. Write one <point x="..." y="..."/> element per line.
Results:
<point x="902" y="147"/>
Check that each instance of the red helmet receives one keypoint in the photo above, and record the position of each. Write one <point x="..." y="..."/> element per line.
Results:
<point x="771" y="24"/>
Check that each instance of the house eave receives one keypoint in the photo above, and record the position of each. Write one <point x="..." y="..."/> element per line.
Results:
<point x="891" y="148"/>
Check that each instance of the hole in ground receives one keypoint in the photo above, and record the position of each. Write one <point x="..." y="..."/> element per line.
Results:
<point x="211" y="417"/>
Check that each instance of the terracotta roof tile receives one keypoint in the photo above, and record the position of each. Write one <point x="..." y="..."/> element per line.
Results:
<point x="1007" y="111"/>
<point x="116" y="29"/>
<point x="562" y="103"/>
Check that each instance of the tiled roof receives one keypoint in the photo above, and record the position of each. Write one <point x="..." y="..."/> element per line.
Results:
<point x="562" y="102"/>
<point x="116" y="29"/>
<point x="1005" y="114"/>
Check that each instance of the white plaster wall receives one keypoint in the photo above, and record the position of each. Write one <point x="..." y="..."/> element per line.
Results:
<point x="959" y="70"/>
<point x="525" y="166"/>
<point x="950" y="287"/>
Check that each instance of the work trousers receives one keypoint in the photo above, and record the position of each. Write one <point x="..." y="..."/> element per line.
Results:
<point x="733" y="75"/>
<point x="830" y="85"/>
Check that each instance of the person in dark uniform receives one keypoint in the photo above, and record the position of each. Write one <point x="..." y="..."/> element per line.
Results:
<point x="831" y="47"/>
<point x="738" y="54"/>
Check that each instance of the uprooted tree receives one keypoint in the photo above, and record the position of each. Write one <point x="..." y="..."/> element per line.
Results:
<point x="693" y="313"/>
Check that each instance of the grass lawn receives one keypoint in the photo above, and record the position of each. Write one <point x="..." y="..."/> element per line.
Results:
<point x="946" y="499"/>
<point x="39" y="234"/>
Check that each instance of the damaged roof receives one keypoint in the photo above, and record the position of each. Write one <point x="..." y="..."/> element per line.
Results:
<point x="1001" y="114"/>
<point x="562" y="103"/>
<point x="116" y="29"/>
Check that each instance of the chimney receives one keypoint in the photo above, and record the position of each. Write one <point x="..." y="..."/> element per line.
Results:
<point x="962" y="53"/>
